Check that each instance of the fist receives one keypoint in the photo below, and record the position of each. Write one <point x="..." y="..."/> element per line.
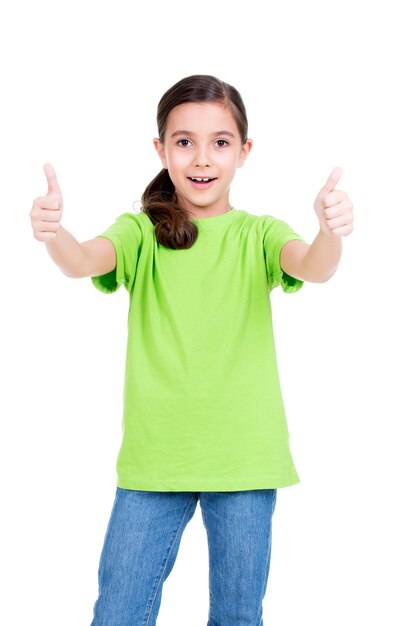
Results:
<point x="47" y="210"/>
<point x="333" y="207"/>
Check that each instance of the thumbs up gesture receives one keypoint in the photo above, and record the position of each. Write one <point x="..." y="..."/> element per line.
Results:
<point x="47" y="210"/>
<point x="333" y="207"/>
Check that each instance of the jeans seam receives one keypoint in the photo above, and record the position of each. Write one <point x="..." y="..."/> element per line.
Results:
<point x="168" y="556"/>
<point x="270" y="542"/>
<point x="210" y="590"/>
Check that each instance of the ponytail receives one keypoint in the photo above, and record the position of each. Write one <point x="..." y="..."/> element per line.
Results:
<point x="173" y="228"/>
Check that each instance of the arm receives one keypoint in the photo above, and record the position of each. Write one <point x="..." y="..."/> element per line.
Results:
<point x="319" y="261"/>
<point x="91" y="258"/>
<point x="315" y="263"/>
<point x="76" y="260"/>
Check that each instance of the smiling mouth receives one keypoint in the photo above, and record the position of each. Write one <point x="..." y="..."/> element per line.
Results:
<point x="201" y="180"/>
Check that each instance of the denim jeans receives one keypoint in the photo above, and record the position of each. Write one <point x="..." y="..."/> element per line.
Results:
<point x="142" y="541"/>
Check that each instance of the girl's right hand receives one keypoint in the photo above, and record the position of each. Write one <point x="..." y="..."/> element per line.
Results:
<point x="47" y="210"/>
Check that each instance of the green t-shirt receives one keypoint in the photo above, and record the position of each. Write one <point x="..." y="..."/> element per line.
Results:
<point x="202" y="404"/>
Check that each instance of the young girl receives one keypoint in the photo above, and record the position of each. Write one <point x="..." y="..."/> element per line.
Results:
<point x="203" y="416"/>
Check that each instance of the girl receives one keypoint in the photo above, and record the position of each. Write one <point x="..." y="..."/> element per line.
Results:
<point x="203" y="416"/>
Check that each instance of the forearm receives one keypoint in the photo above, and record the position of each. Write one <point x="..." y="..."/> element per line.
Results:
<point x="67" y="253"/>
<point x="322" y="258"/>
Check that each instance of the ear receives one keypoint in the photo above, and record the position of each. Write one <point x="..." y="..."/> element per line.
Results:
<point x="160" y="150"/>
<point x="245" y="151"/>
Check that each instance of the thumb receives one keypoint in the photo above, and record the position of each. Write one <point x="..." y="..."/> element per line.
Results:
<point x="333" y="179"/>
<point x="53" y="186"/>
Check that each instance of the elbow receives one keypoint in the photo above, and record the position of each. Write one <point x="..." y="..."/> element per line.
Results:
<point x="71" y="274"/>
<point x="317" y="275"/>
<point x="318" y="278"/>
<point x="327" y="277"/>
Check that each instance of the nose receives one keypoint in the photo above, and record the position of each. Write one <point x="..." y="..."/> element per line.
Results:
<point x="202" y="158"/>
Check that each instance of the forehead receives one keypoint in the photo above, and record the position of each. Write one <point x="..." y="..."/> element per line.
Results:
<point x="201" y="117"/>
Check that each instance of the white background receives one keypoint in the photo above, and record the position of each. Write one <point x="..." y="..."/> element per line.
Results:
<point x="325" y="83"/>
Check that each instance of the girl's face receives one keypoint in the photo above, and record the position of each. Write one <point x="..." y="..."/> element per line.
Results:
<point x="202" y="141"/>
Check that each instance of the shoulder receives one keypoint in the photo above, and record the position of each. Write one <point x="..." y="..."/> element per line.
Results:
<point x="253" y="218"/>
<point x="263" y="223"/>
<point x="135" y="221"/>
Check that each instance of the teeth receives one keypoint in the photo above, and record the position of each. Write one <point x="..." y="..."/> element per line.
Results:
<point x="202" y="179"/>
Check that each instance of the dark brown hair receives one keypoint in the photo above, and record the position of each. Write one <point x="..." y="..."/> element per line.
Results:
<point x="173" y="228"/>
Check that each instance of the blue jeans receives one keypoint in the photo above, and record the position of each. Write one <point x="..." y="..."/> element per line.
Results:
<point x="142" y="541"/>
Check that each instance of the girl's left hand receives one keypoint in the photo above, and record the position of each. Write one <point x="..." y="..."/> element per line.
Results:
<point x="333" y="207"/>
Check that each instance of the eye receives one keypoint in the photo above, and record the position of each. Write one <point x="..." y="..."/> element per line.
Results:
<point x="224" y="141"/>
<point x="180" y="142"/>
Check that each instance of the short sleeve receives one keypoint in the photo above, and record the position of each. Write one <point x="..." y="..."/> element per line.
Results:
<point x="126" y="236"/>
<point x="275" y="234"/>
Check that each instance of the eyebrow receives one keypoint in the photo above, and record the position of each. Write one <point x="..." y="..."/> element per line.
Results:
<point x="188" y="132"/>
